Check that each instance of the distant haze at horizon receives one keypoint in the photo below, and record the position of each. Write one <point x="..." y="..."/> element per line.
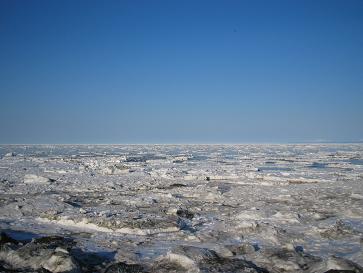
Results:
<point x="181" y="71"/>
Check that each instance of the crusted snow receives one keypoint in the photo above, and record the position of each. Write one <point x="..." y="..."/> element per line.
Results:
<point x="146" y="200"/>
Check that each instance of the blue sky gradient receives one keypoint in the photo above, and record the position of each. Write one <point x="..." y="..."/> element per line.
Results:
<point x="181" y="71"/>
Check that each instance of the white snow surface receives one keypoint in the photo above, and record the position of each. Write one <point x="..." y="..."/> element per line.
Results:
<point x="143" y="201"/>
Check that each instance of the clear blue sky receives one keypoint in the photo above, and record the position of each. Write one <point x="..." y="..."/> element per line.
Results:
<point x="181" y="71"/>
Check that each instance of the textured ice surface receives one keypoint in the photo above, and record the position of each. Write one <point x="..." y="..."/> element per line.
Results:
<point x="185" y="208"/>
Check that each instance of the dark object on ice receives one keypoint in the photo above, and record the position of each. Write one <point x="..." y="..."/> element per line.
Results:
<point x="73" y="204"/>
<point x="299" y="249"/>
<point x="124" y="268"/>
<point x="172" y="186"/>
<point x="176" y="185"/>
<point x="184" y="213"/>
<point x="207" y="178"/>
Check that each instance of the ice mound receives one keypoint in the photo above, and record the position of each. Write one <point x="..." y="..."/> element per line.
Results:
<point x="11" y="154"/>
<point x="114" y="169"/>
<point x="36" y="179"/>
<point x="196" y="259"/>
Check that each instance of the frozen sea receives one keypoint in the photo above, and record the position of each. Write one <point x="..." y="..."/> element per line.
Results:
<point x="181" y="208"/>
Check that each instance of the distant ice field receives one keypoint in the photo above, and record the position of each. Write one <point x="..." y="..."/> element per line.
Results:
<point x="185" y="208"/>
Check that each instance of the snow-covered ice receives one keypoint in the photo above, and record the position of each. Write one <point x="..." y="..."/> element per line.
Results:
<point x="181" y="208"/>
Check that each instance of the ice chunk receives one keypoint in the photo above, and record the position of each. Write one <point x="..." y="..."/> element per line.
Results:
<point x="36" y="179"/>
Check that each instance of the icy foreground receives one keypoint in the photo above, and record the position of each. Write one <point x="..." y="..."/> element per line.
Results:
<point x="196" y="208"/>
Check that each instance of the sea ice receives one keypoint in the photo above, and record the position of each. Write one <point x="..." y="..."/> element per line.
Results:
<point x="181" y="208"/>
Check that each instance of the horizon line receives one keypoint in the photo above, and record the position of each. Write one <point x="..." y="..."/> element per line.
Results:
<point x="221" y="143"/>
